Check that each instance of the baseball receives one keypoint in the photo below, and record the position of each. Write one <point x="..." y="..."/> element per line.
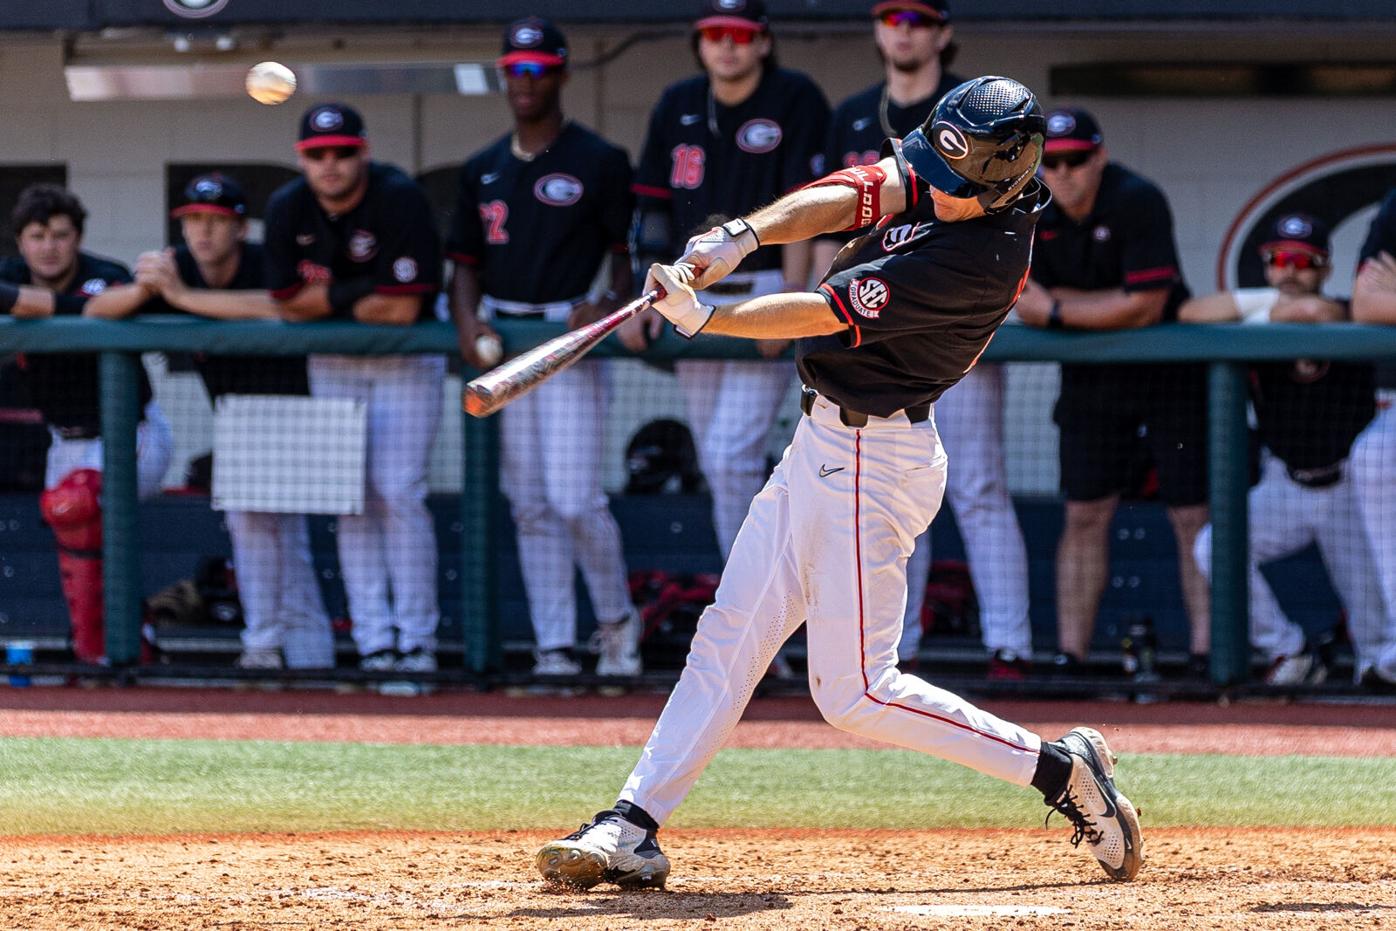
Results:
<point x="271" y="83"/>
<point x="489" y="349"/>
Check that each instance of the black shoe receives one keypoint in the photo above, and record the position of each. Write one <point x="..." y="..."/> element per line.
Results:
<point x="1374" y="681"/>
<point x="1066" y="666"/>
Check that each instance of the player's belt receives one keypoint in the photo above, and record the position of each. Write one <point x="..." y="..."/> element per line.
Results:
<point x="1321" y="477"/>
<point x="78" y="432"/>
<point x="556" y="311"/>
<point x="917" y="413"/>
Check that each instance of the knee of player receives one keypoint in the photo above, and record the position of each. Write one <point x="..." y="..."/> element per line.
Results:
<point x="839" y="701"/>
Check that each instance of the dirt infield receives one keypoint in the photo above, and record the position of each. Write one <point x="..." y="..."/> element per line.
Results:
<point x="1242" y="879"/>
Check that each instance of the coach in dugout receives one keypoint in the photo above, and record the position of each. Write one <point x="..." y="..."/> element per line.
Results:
<point x="355" y="239"/>
<point x="216" y="273"/>
<point x="1308" y="412"/>
<point x="50" y="277"/>
<point x="1105" y="259"/>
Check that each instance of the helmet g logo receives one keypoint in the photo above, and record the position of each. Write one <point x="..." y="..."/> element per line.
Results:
<point x="949" y="141"/>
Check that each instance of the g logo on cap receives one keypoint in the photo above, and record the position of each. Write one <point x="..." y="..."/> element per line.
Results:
<point x="209" y="188"/>
<point x="527" y="36"/>
<point x="1059" y="124"/>
<point x="949" y="141"/>
<point x="731" y="6"/>
<point x="1295" y="227"/>
<point x="327" y="119"/>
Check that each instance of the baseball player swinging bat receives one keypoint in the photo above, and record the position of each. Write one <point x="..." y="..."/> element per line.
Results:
<point x="513" y="379"/>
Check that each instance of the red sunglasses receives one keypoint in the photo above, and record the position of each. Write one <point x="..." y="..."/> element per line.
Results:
<point x="913" y="18"/>
<point x="737" y="34"/>
<point x="1299" y="261"/>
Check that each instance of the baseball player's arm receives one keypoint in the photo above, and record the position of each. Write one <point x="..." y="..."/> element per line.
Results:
<point x="1214" y="308"/>
<point x="1110" y="309"/>
<point x="464" y="299"/>
<point x="1306" y="308"/>
<point x="785" y="316"/>
<point x="158" y="272"/>
<point x="1374" y="290"/>
<point x="27" y="302"/>
<point x="388" y="309"/>
<point x="117" y="301"/>
<point x="310" y="302"/>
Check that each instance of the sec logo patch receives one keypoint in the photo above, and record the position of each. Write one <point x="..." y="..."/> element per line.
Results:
<point x="405" y="269"/>
<point x="759" y="136"/>
<point x="558" y="190"/>
<point x="869" y="296"/>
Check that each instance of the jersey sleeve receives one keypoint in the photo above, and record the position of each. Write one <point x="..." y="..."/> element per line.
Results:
<point x="1381" y="235"/>
<point x="465" y="243"/>
<point x="409" y="253"/>
<point x="279" y="250"/>
<point x="116" y="273"/>
<point x="651" y="184"/>
<point x="1148" y="255"/>
<point x="1254" y="304"/>
<point x="808" y="138"/>
<point x="617" y="200"/>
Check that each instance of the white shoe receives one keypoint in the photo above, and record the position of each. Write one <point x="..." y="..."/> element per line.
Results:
<point x="1290" y="670"/>
<point x="607" y="848"/>
<point x="618" y="647"/>
<point x="416" y="661"/>
<point x="413" y="661"/>
<point x="555" y="663"/>
<point x="379" y="661"/>
<point x="261" y="659"/>
<point x="1103" y="817"/>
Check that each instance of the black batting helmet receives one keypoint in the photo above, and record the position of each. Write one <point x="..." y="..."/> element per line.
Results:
<point x="983" y="140"/>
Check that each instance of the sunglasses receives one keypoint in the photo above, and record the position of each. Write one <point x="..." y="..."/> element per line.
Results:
<point x="530" y="69"/>
<point x="1066" y="160"/>
<point x="737" y="34"/>
<point x="1299" y="261"/>
<point x="913" y="18"/>
<point x="339" y="153"/>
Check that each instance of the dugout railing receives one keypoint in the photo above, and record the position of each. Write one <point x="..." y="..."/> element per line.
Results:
<point x="1225" y="348"/>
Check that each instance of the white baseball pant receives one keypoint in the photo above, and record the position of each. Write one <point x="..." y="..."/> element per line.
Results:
<point x="387" y="555"/>
<point x="154" y="449"/>
<point x="731" y="406"/>
<point x="1285" y="517"/>
<point x="832" y="552"/>
<point x="1372" y="462"/>
<point x="281" y="604"/>
<point x="969" y="418"/>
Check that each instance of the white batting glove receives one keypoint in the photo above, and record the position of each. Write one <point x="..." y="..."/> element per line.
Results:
<point x="680" y="306"/>
<point x="716" y="254"/>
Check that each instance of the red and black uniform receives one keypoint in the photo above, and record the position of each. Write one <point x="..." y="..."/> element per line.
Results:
<point x="536" y="231"/>
<point x="1310" y="411"/>
<point x="1125" y="242"/>
<point x="702" y="158"/>
<point x="860" y="124"/>
<point x="64" y="386"/>
<point x="389" y="238"/>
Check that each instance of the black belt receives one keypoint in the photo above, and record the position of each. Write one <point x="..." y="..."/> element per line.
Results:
<point x="1321" y="477"/>
<point x="80" y="432"/>
<point x="729" y="287"/>
<point x="519" y="315"/>
<point x="917" y="413"/>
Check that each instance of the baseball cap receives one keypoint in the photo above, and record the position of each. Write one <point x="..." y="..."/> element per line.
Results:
<point x="212" y="193"/>
<point x="1071" y="129"/>
<point x="936" y="9"/>
<point x="1301" y="232"/>
<point x="743" y="14"/>
<point x="331" y="124"/>
<point x="533" y="39"/>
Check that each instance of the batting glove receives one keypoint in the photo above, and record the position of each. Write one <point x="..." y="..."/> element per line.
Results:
<point x="717" y="253"/>
<point x="680" y="306"/>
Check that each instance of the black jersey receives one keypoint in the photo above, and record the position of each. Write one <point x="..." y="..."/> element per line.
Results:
<point x="537" y="230"/>
<point x="702" y="158"/>
<point x="238" y="374"/>
<point x="859" y="124"/>
<point x="389" y="237"/>
<point x="64" y="386"/>
<point x="1310" y="411"/>
<point x="921" y="299"/>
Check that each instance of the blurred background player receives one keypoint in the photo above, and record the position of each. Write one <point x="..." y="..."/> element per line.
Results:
<point x="538" y="212"/>
<point x="1105" y="259"/>
<point x="915" y="42"/>
<point x="52" y="276"/>
<point x="721" y="144"/>
<point x="1308" y="412"/>
<point x="1374" y="454"/>
<point x="217" y="273"/>
<point x="355" y="239"/>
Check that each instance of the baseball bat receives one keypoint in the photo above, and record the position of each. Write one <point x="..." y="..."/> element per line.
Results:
<point x="520" y="375"/>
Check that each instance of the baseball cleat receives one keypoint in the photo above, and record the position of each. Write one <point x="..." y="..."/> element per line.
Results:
<point x="618" y="646"/>
<point x="607" y="848"/>
<point x="1102" y="817"/>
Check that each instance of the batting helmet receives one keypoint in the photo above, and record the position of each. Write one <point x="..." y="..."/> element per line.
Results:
<point x="983" y="140"/>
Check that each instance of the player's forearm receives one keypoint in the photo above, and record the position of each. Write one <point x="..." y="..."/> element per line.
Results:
<point x="1372" y="304"/>
<point x="116" y="302"/>
<point x="853" y="197"/>
<point x="1214" y="308"/>
<point x="388" y="309"/>
<point x="311" y="302"/>
<point x="775" y="316"/>
<point x="27" y="302"/>
<point x="1111" y="310"/>
<point x="464" y="296"/>
<point x="622" y="276"/>
<point x="227" y="305"/>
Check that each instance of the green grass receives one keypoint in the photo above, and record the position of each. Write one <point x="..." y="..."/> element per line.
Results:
<point x="62" y="786"/>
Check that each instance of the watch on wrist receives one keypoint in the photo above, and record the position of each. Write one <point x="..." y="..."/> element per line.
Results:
<point x="1054" y="316"/>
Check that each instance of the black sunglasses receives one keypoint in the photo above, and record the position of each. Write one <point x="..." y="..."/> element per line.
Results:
<point x="1066" y="160"/>
<point x="340" y="153"/>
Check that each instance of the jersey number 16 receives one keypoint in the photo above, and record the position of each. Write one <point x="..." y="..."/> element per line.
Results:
<point x="688" y="167"/>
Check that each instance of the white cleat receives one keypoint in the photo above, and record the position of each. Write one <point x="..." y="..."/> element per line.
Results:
<point x="618" y="647"/>
<point x="1102" y="816"/>
<point x="607" y="848"/>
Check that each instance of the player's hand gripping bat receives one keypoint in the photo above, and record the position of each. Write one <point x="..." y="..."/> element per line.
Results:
<point x="520" y="375"/>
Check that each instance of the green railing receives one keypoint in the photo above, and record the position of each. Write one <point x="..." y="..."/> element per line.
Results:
<point x="1226" y="348"/>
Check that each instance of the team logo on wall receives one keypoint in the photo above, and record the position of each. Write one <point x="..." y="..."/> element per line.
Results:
<point x="869" y="296"/>
<point x="195" y="9"/>
<point x="1341" y="188"/>
<point x="93" y="286"/>
<point x="558" y="190"/>
<point x="363" y="245"/>
<point x="950" y="142"/>
<point x="405" y="269"/>
<point x="327" y="119"/>
<point x="758" y="136"/>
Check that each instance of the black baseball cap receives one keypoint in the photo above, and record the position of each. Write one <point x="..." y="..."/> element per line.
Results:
<point x="533" y="39"/>
<point x="1071" y="129"/>
<point x="331" y="124"/>
<point x="935" y="9"/>
<point x="742" y="14"/>
<point x="1300" y="232"/>
<point x="212" y="193"/>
